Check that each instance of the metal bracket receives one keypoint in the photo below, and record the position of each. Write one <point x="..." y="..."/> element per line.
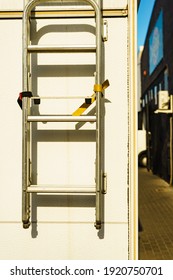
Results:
<point x="105" y="30"/>
<point x="104" y="191"/>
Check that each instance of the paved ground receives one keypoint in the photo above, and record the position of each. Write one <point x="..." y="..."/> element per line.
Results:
<point x="156" y="217"/>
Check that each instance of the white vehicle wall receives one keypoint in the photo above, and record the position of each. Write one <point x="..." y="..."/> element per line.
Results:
<point x="62" y="227"/>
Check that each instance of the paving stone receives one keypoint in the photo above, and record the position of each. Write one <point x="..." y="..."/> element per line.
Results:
<point x="156" y="217"/>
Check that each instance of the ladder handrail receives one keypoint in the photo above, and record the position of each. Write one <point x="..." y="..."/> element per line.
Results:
<point x="26" y="13"/>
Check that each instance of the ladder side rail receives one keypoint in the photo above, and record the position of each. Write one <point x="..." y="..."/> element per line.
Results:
<point x="25" y="127"/>
<point x="98" y="122"/>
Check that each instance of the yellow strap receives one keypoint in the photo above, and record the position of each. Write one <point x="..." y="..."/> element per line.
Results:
<point x="98" y="88"/>
<point x="93" y="98"/>
<point x="105" y="84"/>
<point x="84" y="106"/>
<point x="81" y="109"/>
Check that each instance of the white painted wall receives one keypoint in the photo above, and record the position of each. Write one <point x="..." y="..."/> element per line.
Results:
<point x="62" y="226"/>
<point x="11" y="4"/>
<point x="18" y="4"/>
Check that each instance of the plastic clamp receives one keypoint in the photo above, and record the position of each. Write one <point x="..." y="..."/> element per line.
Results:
<point x="23" y="94"/>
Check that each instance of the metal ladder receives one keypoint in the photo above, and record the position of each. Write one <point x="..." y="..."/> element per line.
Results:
<point x="27" y="118"/>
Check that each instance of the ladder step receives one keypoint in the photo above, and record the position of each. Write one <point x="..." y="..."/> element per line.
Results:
<point x="61" y="49"/>
<point x="61" y="118"/>
<point x="57" y="97"/>
<point x="61" y="189"/>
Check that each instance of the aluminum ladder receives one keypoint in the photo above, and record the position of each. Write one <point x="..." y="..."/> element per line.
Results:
<point x="27" y="118"/>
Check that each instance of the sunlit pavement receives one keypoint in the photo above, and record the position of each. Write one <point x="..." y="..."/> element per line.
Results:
<point x="155" y="217"/>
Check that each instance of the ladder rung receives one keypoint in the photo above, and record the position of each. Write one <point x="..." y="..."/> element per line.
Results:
<point x="61" y="118"/>
<point x="61" y="189"/>
<point x="58" y="97"/>
<point x="61" y="49"/>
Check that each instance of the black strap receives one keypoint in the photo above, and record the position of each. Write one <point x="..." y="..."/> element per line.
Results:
<point x="26" y="94"/>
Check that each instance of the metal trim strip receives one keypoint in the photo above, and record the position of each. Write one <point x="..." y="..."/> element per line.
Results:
<point x="63" y="14"/>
